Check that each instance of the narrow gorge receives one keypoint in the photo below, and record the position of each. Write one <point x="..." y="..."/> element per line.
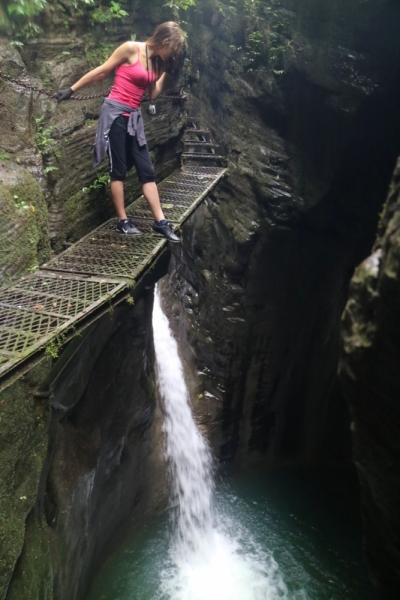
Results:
<point x="282" y="299"/>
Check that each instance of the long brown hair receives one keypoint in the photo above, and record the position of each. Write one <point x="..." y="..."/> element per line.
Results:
<point x="167" y="35"/>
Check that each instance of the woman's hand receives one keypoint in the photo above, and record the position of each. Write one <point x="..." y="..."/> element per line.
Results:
<point x="62" y="95"/>
<point x="122" y="54"/>
<point x="158" y="86"/>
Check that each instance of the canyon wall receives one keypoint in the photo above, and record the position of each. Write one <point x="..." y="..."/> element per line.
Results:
<point x="81" y="455"/>
<point x="369" y="370"/>
<point x="304" y="99"/>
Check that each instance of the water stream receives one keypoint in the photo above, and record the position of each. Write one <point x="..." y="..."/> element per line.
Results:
<point x="221" y="544"/>
<point x="210" y="559"/>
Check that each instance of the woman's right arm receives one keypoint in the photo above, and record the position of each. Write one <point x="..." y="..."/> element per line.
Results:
<point x="122" y="54"/>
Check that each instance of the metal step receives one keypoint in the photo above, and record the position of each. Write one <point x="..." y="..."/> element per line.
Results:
<point x="197" y="156"/>
<point x="198" y="131"/>
<point x="201" y="144"/>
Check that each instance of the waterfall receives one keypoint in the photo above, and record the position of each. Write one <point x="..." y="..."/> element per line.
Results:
<point x="211" y="558"/>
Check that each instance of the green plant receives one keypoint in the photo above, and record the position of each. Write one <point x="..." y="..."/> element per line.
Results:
<point x="46" y="145"/>
<point x="20" y="204"/>
<point x="19" y="9"/>
<point x="18" y="14"/>
<point x="101" y="181"/>
<point x="16" y="44"/>
<point x="49" y="169"/>
<point x="4" y="156"/>
<point x="51" y="349"/>
<point x="77" y="3"/>
<point x="44" y="141"/>
<point x="60" y="57"/>
<point x="254" y="46"/>
<point x="53" y="346"/>
<point x="179" y="4"/>
<point x="29" y="31"/>
<point x="104" y="14"/>
<point x="279" y="42"/>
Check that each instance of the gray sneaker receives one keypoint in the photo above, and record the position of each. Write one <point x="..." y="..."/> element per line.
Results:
<point x="165" y="229"/>
<point x="126" y="226"/>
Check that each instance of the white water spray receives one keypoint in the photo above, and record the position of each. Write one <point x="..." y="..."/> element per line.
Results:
<point x="211" y="558"/>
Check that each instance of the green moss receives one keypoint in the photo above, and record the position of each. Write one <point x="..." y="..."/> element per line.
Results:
<point x="29" y="190"/>
<point x="24" y="236"/>
<point x="33" y="577"/>
<point x="23" y="448"/>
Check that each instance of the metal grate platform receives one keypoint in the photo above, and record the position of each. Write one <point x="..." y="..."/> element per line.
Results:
<point x="38" y="308"/>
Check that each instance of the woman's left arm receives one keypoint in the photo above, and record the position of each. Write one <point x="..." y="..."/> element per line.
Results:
<point x="158" y="86"/>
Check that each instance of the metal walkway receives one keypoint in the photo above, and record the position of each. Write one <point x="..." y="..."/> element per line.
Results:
<point x="44" y="306"/>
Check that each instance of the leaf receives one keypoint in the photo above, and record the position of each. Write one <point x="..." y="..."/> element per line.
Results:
<point x="49" y="169"/>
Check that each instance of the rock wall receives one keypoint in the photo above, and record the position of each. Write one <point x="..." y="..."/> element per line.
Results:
<point x="24" y="228"/>
<point x="369" y="370"/>
<point x="311" y="131"/>
<point x="72" y="476"/>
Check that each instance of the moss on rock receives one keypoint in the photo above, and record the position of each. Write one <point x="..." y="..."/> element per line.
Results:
<point x="23" y="447"/>
<point x="24" y="238"/>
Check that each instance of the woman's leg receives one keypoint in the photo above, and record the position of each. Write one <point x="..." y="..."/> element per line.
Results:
<point x="120" y="163"/>
<point x="145" y="171"/>
<point x="117" y="195"/>
<point x="150" y="192"/>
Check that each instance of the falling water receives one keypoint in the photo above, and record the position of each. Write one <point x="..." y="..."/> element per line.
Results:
<point x="211" y="557"/>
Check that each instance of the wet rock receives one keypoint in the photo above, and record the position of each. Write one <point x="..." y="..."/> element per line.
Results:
<point x="99" y="463"/>
<point x="369" y="371"/>
<point x="23" y="441"/>
<point x="24" y="234"/>
<point x="311" y="147"/>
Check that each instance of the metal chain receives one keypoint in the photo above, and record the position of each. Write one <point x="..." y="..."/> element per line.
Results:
<point x="28" y="86"/>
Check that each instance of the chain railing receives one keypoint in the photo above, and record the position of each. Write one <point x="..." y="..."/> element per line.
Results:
<point x="171" y="95"/>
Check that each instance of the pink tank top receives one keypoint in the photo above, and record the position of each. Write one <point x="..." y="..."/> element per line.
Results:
<point x="130" y="82"/>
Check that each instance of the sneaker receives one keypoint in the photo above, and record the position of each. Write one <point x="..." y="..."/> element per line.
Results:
<point x="165" y="229"/>
<point x="126" y="226"/>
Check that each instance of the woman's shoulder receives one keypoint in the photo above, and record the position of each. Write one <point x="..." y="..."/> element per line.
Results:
<point x="129" y="47"/>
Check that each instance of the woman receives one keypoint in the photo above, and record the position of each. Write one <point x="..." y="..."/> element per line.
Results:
<point x="120" y="133"/>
